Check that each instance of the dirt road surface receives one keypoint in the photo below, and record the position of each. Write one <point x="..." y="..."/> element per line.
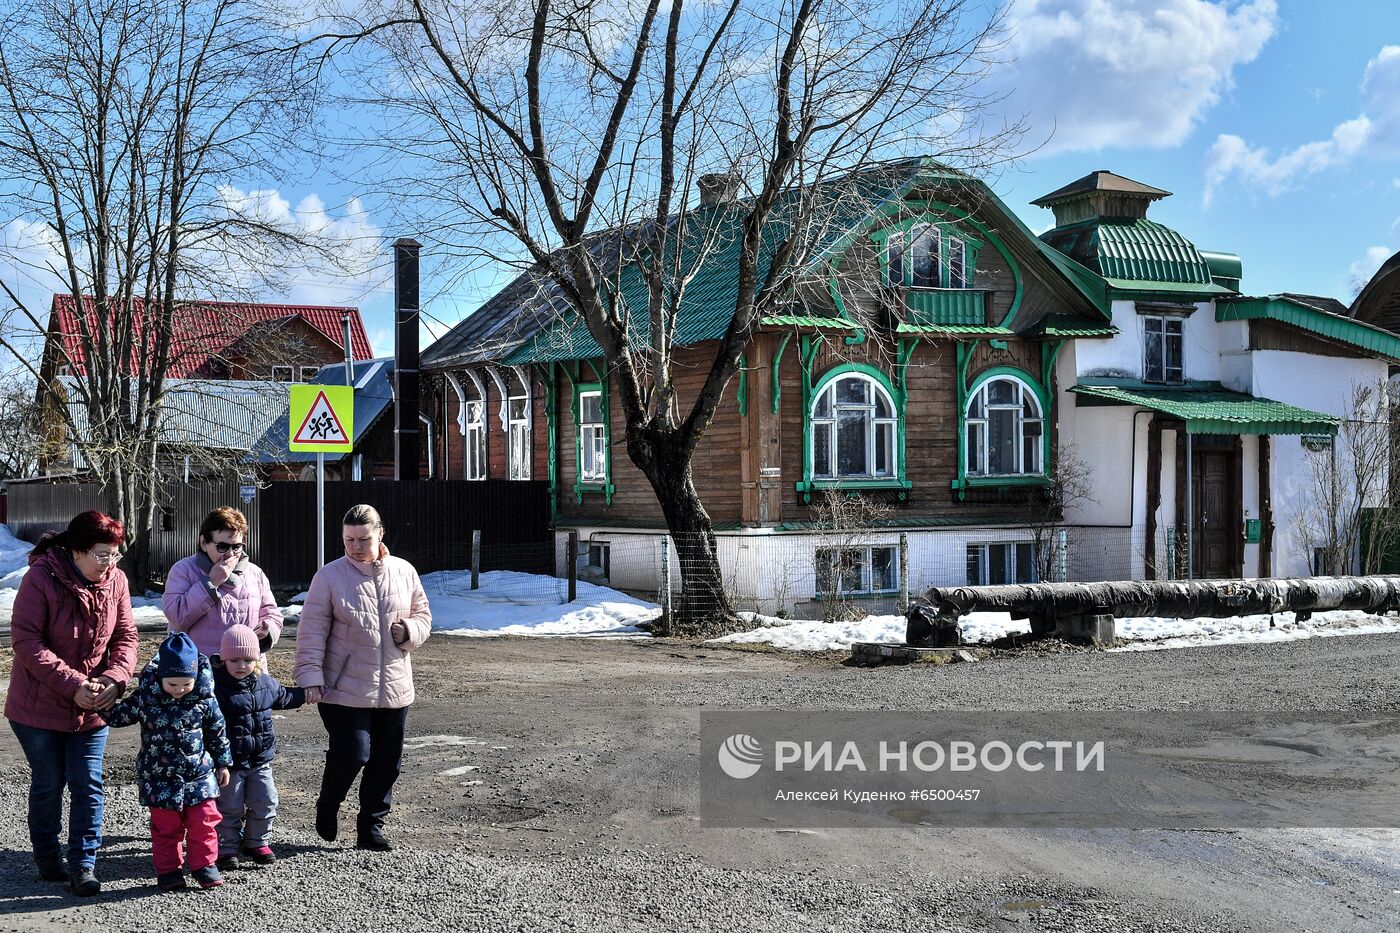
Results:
<point x="552" y="785"/>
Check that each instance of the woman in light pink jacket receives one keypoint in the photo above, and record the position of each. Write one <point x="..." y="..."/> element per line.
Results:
<point x="363" y="616"/>
<point x="218" y="586"/>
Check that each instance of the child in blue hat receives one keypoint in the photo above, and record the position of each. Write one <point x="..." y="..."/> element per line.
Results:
<point x="184" y="760"/>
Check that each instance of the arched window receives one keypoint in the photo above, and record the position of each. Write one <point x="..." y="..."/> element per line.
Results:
<point x="853" y="430"/>
<point x="1005" y="429"/>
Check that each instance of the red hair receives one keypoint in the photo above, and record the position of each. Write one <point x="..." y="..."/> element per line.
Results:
<point x="85" y="530"/>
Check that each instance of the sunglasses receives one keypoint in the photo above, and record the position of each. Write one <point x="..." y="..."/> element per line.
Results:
<point x="224" y="547"/>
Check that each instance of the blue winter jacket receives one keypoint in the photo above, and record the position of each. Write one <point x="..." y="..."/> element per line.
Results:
<point x="182" y="740"/>
<point x="247" y="705"/>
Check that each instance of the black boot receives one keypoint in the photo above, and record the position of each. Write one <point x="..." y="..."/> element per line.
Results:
<point x="326" y="823"/>
<point x="51" y="869"/>
<point x="83" y="882"/>
<point x="373" y="840"/>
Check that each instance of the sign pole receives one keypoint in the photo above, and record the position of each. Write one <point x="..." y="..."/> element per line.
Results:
<point x="317" y="419"/>
<point x="320" y="510"/>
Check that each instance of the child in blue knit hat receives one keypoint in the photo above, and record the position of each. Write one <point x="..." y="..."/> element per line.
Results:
<point x="184" y="760"/>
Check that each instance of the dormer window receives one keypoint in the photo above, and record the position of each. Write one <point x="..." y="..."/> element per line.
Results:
<point x="913" y="257"/>
<point x="1162" y="349"/>
<point x="957" y="263"/>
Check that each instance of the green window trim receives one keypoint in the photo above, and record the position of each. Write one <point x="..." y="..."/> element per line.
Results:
<point x="551" y="419"/>
<point x="605" y="487"/>
<point x="961" y="221"/>
<point x="896" y="389"/>
<point x="965" y="392"/>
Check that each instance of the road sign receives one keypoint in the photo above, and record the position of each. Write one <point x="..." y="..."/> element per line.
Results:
<point x="322" y="419"/>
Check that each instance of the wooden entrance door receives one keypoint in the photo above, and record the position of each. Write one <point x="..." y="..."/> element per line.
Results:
<point x="1218" y="519"/>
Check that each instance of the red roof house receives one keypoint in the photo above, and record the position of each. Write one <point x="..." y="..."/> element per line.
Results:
<point x="222" y="339"/>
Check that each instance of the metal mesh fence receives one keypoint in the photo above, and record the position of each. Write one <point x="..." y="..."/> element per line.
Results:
<point x="815" y="574"/>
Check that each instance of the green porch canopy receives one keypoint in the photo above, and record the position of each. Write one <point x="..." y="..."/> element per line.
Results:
<point x="1209" y="408"/>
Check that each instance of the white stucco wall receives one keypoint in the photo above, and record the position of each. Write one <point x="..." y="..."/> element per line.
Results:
<point x="1318" y="383"/>
<point x="1123" y="355"/>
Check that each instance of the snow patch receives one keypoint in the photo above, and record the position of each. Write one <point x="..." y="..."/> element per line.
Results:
<point x="1144" y="634"/>
<point x="512" y="603"/>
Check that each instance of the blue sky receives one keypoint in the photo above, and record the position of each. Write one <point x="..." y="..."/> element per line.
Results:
<point x="1276" y="123"/>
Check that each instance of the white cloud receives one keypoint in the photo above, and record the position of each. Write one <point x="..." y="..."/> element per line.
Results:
<point x="1360" y="272"/>
<point x="1375" y="132"/>
<point x="1138" y="73"/>
<point x="343" y="259"/>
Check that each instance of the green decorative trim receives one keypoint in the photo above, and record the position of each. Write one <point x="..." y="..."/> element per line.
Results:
<point x="551" y="398"/>
<point x="1332" y="326"/>
<point x="958" y="216"/>
<point x="857" y="337"/>
<point x="965" y="481"/>
<point x="580" y="487"/>
<point x="807" y="487"/>
<point x="1049" y="353"/>
<point x="982" y="482"/>
<point x="743" y="390"/>
<point x="965" y="351"/>
<point x="777" y="374"/>
<point x="809" y="346"/>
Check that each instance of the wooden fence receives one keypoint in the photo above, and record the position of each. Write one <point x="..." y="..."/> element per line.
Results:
<point x="427" y="523"/>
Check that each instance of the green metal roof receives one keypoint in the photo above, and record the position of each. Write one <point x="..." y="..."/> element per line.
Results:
<point x="1141" y="257"/>
<point x="1146" y="250"/>
<point x="712" y="237"/>
<point x="807" y="320"/>
<point x="956" y="330"/>
<point x="1208" y="408"/>
<point x="1286" y="310"/>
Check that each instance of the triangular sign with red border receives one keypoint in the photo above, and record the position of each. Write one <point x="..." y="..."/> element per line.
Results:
<point x="321" y="425"/>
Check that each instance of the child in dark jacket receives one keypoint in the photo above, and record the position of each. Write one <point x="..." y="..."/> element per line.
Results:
<point x="183" y="762"/>
<point x="247" y="698"/>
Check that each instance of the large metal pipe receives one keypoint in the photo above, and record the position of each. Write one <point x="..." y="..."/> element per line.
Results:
<point x="1047" y="602"/>
<point x="407" y="393"/>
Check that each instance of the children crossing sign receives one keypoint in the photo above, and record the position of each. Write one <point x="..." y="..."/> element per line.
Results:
<point x="322" y="419"/>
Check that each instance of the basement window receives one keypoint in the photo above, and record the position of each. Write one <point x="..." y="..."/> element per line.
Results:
<point x="994" y="564"/>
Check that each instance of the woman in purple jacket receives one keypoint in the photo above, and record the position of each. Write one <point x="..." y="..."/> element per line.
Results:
<point x="217" y="587"/>
<point x="75" y="650"/>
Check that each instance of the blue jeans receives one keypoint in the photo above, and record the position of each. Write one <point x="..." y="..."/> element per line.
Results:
<point x="59" y="759"/>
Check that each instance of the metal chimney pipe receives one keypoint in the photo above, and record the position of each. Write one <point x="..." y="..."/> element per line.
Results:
<point x="407" y="393"/>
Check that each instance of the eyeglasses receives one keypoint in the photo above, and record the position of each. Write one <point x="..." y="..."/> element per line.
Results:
<point x="224" y="547"/>
<point x="104" y="557"/>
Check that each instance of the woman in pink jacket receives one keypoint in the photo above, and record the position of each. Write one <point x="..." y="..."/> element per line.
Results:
<point x="363" y="616"/>
<point x="217" y="587"/>
<point x="74" y="643"/>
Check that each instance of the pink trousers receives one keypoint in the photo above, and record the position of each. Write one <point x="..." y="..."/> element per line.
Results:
<point x="193" y="830"/>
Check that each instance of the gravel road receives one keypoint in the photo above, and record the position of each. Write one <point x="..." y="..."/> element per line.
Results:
<point x="551" y="785"/>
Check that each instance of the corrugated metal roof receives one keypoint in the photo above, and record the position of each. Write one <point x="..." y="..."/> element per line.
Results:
<point x="374" y="395"/>
<point x="530" y="322"/>
<point x="1291" y="311"/>
<point x="230" y="415"/>
<point x="1208" y="408"/>
<point x="204" y="329"/>
<point x="1149" y="251"/>
<point x="956" y="330"/>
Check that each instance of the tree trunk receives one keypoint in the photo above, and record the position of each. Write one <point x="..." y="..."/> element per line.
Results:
<point x="703" y="610"/>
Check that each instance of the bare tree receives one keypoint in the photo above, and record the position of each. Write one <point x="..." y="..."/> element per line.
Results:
<point x="1349" y="520"/>
<point x="570" y="134"/>
<point x="1070" y="484"/>
<point x="122" y="125"/>
<point x="844" y="527"/>
<point x="21" y="420"/>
